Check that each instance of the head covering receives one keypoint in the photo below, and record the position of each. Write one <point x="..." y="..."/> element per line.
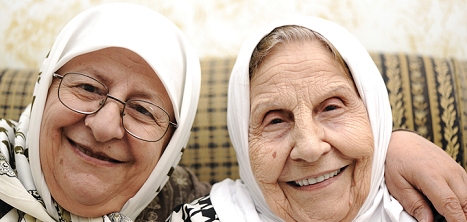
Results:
<point x="161" y="44"/>
<point x="233" y="200"/>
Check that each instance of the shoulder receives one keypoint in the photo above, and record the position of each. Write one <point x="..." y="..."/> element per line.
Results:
<point x="182" y="187"/>
<point x="199" y="210"/>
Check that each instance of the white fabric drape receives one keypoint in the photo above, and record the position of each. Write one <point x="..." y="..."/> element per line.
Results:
<point x="379" y="205"/>
<point x="161" y="44"/>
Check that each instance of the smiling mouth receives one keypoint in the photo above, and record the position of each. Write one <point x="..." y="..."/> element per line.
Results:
<point x="89" y="153"/>
<point x="315" y="180"/>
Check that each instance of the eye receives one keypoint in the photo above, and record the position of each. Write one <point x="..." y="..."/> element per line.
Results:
<point x="273" y="117"/>
<point x="89" y="88"/>
<point x="140" y="110"/>
<point x="86" y="89"/>
<point x="277" y="118"/>
<point x="330" y="108"/>
<point x="276" y="121"/>
<point x="143" y="111"/>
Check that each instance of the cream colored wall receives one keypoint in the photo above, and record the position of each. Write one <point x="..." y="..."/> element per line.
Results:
<point x="217" y="28"/>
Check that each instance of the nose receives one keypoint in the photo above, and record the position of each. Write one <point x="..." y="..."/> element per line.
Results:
<point x="106" y="124"/>
<point x="309" y="140"/>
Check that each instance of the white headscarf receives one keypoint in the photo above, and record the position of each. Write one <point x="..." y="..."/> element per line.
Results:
<point x="243" y="199"/>
<point x="162" y="45"/>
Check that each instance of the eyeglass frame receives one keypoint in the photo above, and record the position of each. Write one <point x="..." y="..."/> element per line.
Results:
<point x="114" y="98"/>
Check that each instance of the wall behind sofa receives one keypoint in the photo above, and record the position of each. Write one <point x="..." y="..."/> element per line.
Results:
<point x="218" y="28"/>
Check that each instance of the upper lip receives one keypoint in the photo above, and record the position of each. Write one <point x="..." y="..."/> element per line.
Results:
<point x="89" y="152"/>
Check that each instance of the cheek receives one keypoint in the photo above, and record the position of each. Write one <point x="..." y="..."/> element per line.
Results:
<point x="146" y="155"/>
<point x="352" y="135"/>
<point x="267" y="158"/>
<point x="54" y="118"/>
<point x="361" y="139"/>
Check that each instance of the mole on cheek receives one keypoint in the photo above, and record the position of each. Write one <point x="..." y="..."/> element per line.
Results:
<point x="274" y="154"/>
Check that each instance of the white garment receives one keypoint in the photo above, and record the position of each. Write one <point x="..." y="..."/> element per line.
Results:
<point x="150" y="35"/>
<point x="379" y="206"/>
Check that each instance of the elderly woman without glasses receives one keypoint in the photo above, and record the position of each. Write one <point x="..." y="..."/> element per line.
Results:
<point x="112" y="109"/>
<point x="310" y="120"/>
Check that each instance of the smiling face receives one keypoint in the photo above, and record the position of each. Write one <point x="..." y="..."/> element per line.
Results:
<point x="91" y="165"/>
<point x="310" y="139"/>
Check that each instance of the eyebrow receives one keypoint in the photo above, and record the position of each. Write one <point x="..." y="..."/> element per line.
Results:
<point x="136" y="91"/>
<point x="339" y="89"/>
<point x="94" y="73"/>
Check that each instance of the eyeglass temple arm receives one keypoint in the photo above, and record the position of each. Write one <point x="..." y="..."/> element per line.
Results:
<point x="173" y="124"/>
<point x="57" y="75"/>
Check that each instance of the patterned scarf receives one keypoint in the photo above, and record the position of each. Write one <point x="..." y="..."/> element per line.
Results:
<point x="162" y="45"/>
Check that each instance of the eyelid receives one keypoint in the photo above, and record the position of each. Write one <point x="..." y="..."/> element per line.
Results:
<point x="271" y="115"/>
<point x="284" y="115"/>
<point x="333" y="101"/>
<point x="259" y="111"/>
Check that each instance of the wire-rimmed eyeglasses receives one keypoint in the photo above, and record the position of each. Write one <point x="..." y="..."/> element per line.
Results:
<point x="86" y="95"/>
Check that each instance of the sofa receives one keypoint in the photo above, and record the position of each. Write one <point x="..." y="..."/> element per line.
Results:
<point x="427" y="94"/>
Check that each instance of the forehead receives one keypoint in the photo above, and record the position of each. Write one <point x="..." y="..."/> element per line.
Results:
<point x="109" y="57"/>
<point x="299" y="61"/>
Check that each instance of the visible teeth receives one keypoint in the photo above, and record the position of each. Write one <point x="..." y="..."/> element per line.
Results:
<point x="87" y="152"/>
<point x="321" y="178"/>
<point x="312" y="181"/>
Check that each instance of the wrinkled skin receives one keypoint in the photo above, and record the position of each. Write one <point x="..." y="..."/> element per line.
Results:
<point x="415" y="164"/>
<point x="307" y="120"/>
<point x="82" y="184"/>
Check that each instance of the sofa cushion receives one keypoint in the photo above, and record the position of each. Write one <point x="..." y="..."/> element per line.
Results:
<point x="428" y="95"/>
<point x="16" y="88"/>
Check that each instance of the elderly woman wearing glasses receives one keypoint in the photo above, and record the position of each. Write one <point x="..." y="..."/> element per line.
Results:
<point x="112" y="110"/>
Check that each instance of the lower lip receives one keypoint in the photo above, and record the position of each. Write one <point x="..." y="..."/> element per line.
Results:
<point x="89" y="159"/>
<point x="320" y="185"/>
